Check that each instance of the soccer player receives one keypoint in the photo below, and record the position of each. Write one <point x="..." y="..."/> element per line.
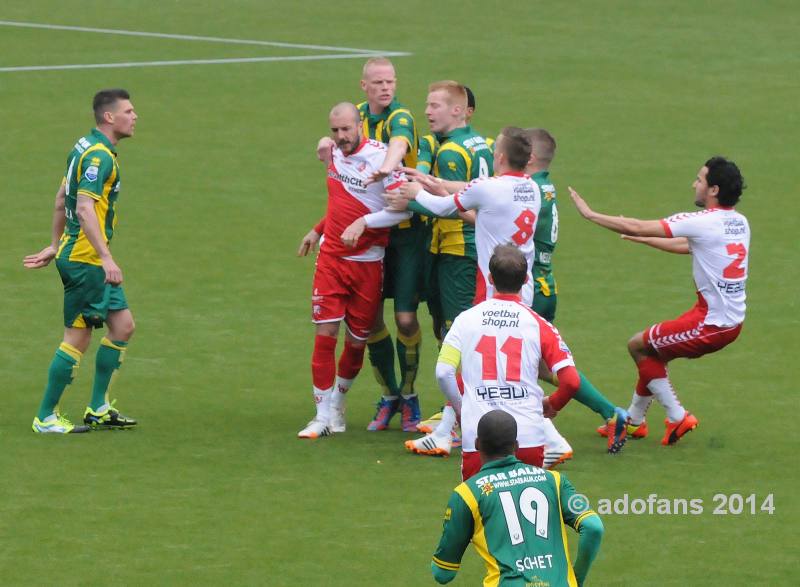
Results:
<point x="385" y="119"/>
<point x="507" y="208"/>
<point x="499" y="344"/>
<point x="83" y="224"/>
<point x="516" y="516"/>
<point x="349" y="273"/>
<point x="543" y="150"/>
<point x="718" y="238"/>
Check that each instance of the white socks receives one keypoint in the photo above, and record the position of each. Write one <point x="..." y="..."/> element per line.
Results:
<point x="322" y="397"/>
<point x="445" y="427"/>
<point x="662" y="390"/>
<point x="552" y="438"/>
<point x="638" y="407"/>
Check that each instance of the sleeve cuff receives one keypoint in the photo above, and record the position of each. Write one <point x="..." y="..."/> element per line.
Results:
<point x="457" y="202"/>
<point x="89" y="194"/>
<point x="667" y="229"/>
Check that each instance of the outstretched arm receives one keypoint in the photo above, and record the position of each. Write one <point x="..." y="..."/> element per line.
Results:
<point x="620" y="224"/>
<point x="678" y="245"/>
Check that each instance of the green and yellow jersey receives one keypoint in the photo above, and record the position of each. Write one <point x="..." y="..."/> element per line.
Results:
<point x="546" y="235"/>
<point x="92" y="171"/>
<point x="395" y="121"/>
<point x="462" y="155"/>
<point x="428" y="145"/>
<point x="516" y="516"/>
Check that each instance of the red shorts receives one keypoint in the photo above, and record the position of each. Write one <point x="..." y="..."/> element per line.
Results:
<point x="687" y="336"/>
<point x="471" y="461"/>
<point x="347" y="290"/>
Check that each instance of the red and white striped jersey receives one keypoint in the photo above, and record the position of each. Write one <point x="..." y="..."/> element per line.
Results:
<point x="719" y="239"/>
<point x="500" y="342"/>
<point x="349" y="199"/>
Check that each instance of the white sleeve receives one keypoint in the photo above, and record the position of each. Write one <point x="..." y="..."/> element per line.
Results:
<point x="689" y="224"/>
<point x="439" y="205"/>
<point x="446" y="376"/>
<point x="385" y="218"/>
<point x="471" y="197"/>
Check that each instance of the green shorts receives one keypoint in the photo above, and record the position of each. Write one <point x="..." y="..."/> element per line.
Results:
<point x="87" y="297"/>
<point x="545" y="295"/>
<point x="451" y="287"/>
<point x="404" y="268"/>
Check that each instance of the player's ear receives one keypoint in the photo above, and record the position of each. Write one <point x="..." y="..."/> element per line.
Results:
<point x="491" y="279"/>
<point x="516" y="446"/>
<point x="478" y="443"/>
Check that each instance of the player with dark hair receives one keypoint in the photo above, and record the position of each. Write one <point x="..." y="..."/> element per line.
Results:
<point x="83" y="224"/>
<point x="718" y="238"/>
<point x="516" y="516"/>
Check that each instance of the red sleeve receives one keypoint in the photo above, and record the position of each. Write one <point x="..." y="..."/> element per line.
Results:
<point x="568" y="383"/>
<point x="320" y="227"/>
<point x="555" y="352"/>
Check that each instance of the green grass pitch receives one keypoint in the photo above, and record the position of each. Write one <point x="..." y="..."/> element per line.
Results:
<point x="220" y="183"/>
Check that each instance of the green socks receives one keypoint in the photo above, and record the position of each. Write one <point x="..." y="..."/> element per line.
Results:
<point x="381" y="357"/>
<point x="109" y="360"/>
<point x="408" y="356"/>
<point x="590" y="397"/>
<point x="62" y="369"/>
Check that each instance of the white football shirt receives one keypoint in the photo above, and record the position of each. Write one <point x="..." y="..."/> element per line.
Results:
<point x="507" y="208"/>
<point x="501" y="342"/>
<point x="719" y="239"/>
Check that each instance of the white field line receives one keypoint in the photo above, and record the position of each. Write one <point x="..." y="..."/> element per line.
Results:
<point x="194" y="62"/>
<point x="59" y="27"/>
<point x="346" y="52"/>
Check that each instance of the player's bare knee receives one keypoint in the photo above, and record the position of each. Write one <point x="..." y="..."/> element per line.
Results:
<point x="328" y="329"/>
<point x="636" y="346"/>
<point x="407" y="323"/>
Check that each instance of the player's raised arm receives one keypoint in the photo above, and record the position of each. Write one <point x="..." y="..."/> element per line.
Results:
<point x="620" y="224"/>
<point x="43" y="257"/>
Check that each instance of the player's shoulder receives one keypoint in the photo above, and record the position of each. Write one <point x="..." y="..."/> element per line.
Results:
<point x="707" y="214"/>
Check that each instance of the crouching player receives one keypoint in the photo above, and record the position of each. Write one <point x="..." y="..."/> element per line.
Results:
<point x="349" y="271"/>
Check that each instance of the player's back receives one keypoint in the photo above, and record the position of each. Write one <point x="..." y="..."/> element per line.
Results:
<point x="523" y="540"/>
<point x="719" y="239"/>
<point x="501" y="344"/>
<point x="508" y="209"/>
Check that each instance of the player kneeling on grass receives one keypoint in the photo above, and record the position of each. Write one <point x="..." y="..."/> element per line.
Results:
<point x="718" y="238"/>
<point x="349" y="273"/>
<point x="83" y="224"/>
<point x="515" y="515"/>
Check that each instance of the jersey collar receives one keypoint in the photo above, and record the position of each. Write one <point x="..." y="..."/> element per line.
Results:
<point x="514" y="174"/>
<point x="500" y="463"/>
<point x="359" y="147"/>
<point x="103" y="139"/>
<point x="507" y="297"/>
<point x="541" y="175"/>
<point x="384" y="114"/>
<point x="456" y="132"/>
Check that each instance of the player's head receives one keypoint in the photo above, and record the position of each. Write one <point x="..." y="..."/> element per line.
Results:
<point x="512" y="150"/>
<point x="543" y="149"/>
<point x="470" y="104"/>
<point x="345" y="123"/>
<point x="446" y="106"/>
<point x="508" y="269"/>
<point x="114" y="112"/>
<point x="719" y="181"/>
<point x="379" y="82"/>
<point x="497" y="435"/>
